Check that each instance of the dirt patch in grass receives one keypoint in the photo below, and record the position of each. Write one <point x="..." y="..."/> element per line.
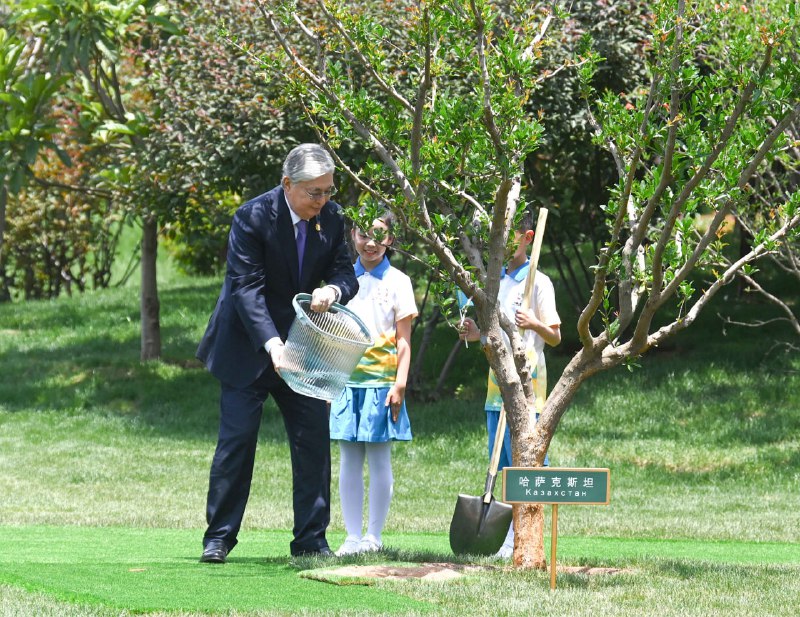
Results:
<point x="366" y="574"/>
<point x="424" y="571"/>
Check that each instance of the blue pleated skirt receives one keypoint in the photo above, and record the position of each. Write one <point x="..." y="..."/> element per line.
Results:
<point x="359" y="414"/>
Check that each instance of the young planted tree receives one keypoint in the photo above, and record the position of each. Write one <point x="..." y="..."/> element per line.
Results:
<point x="440" y="94"/>
<point x="775" y="182"/>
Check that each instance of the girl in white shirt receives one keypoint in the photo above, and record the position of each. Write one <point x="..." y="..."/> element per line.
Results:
<point x="371" y="412"/>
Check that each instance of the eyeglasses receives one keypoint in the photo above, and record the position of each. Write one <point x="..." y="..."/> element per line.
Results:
<point x="317" y="194"/>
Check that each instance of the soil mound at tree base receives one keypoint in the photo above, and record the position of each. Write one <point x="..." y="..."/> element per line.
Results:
<point x="367" y="574"/>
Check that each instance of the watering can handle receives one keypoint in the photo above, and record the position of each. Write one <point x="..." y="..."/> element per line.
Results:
<point x="306" y="297"/>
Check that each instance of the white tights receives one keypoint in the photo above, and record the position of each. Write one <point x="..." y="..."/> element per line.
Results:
<point x="351" y="485"/>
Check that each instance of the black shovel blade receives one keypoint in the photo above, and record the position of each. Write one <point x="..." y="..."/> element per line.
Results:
<point x="478" y="527"/>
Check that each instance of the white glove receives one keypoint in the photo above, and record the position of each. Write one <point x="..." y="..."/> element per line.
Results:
<point x="322" y="298"/>
<point x="276" y="355"/>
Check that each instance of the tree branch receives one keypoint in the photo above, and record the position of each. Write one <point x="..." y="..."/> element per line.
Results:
<point x="658" y="296"/>
<point x="385" y="87"/>
<point x="488" y="112"/>
<point x="701" y="173"/>
<point x="767" y="144"/>
<point x="320" y="85"/>
<point x="418" y="111"/>
<point x="528" y="53"/>
<point x="791" y="318"/>
<point x="711" y="232"/>
<point x="86" y="190"/>
<point x="754" y="254"/>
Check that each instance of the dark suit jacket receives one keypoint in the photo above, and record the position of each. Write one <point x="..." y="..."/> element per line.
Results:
<point x="255" y="303"/>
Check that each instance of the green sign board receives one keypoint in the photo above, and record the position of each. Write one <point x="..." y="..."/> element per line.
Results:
<point x="556" y="485"/>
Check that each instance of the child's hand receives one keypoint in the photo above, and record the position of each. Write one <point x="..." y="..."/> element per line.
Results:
<point x="394" y="400"/>
<point x="469" y="330"/>
<point x="526" y="320"/>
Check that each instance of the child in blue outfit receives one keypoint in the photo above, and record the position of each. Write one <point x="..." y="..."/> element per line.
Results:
<point x="371" y="412"/>
<point x="538" y="325"/>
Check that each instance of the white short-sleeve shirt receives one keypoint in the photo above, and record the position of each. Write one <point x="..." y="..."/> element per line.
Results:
<point x="384" y="297"/>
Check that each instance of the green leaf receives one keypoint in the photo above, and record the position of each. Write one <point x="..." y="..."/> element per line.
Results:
<point x="17" y="179"/>
<point x="60" y="153"/>
<point x="31" y="151"/>
<point x="108" y="52"/>
<point x="117" y="127"/>
<point x="166" y="25"/>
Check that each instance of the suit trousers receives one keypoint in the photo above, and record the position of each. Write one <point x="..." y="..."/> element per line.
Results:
<point x="306" y="423"/>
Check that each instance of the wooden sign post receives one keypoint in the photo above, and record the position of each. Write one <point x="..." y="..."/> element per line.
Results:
<point x="556" y="486"/>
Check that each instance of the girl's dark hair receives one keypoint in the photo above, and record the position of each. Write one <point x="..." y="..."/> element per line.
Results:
<point x="388" y="217"/>
<point x="526" y="222"/>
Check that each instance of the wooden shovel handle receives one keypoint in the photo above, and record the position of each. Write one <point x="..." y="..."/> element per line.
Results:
<point x="538" y="236"/>
<point x="494" y="462"/>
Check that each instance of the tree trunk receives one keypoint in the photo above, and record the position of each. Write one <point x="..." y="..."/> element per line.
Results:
<point x="528" y="518"/>
<point x="529" y="443"/>
<point x="149" y="306"/>
<point x="529" y="536"/>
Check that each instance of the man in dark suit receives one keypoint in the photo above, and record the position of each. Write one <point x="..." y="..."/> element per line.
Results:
<point x="286" y="241"/>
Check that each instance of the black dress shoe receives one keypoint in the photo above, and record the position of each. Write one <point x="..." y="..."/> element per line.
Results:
<point x="216" y="551"/>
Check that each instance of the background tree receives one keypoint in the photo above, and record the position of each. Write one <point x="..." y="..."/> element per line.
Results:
<point x="148" y="115"/>
<point x="27" y="125"/>
<point x="96" y="47"/>
<point x="62" y="230"/>
<point x="451" y="165"/>
<point x="60" y="237"/>
<point x="221" y="134"/>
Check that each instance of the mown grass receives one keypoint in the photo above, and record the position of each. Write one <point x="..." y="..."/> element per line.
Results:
<point x="155" y="571"/>
<point x="703" y="443"/>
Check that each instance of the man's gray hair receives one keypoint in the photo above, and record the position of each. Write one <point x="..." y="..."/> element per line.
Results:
<point x="307" y="162"/>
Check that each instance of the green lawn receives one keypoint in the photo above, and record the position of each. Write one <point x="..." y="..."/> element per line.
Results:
<point x="104" y="466"/>
<point x="145" y="570"/>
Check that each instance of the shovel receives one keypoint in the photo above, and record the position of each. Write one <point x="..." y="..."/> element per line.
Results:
<point x="480" y="524"/>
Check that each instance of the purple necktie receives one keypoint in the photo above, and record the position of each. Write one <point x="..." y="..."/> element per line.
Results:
<point x="300" y="238"/>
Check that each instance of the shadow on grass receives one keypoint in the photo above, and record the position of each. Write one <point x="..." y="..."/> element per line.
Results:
<point x="723" y="401"/>
<point x="690" y="570"/>
<point x="167" y="398"/>
<point x="82" y="355"/>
